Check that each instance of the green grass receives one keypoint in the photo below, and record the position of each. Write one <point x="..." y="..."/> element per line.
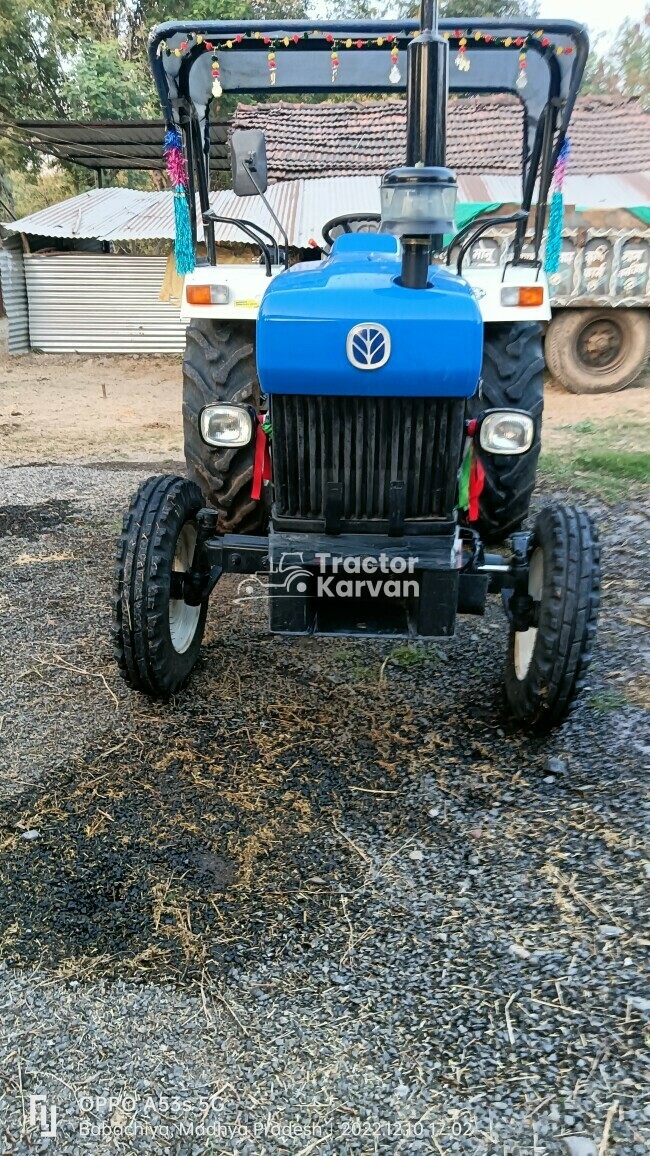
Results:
<point x="412" y="657"/>
<point x="608" y="700"/>
<point x="633" y="466"/>
<point x="605" y="473"/>
<point x="607" y="458"/>
<point x="583" y="427"/>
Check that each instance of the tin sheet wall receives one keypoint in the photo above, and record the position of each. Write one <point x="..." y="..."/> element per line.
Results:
<point x="100" y="303"/>
<point x="14" y="296"/>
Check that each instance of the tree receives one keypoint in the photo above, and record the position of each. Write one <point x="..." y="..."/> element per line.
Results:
<point x="625" y="69"/>
<point x="476" y="9"/>
<point x="632" y="58"/>
<point x="33" y="46"/>
<point x="103" y="85"/>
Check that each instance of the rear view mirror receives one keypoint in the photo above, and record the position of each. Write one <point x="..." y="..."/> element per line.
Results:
<point x="248" y="155"/>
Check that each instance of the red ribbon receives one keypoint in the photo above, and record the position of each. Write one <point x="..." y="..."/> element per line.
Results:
<point x="262" y="464"/>
<point x="476" y="484"/>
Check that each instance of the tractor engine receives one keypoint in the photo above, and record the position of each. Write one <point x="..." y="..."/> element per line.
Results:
<point x="367" y="380"/>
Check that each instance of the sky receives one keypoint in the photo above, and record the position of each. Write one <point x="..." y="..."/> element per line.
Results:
<point x="600" y="15"/>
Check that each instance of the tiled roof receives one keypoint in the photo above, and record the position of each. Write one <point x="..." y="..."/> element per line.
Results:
<point x="608" y="135"/>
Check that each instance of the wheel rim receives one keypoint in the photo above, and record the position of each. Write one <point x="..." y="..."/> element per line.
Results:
<point x="602" y="345"/>
<point x="525" y="639"/>
<point x="183" y="619"/>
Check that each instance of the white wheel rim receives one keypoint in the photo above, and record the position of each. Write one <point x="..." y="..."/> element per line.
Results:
<point x="183" y="619"/>
<point x="525" y="639"/>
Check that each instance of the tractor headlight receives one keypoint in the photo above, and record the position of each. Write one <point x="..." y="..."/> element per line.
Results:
<point x="226" y="425"/>
<point x="505" y="431"/>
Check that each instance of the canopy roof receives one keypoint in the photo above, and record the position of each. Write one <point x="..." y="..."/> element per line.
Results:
<point x="490" y="52"/>
<point x="193" y="62"/>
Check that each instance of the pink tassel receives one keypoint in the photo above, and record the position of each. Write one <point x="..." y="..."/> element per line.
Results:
<point x="176" y="167"/>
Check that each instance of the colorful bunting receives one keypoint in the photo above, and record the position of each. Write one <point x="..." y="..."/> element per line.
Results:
<point x="464" y="39"/>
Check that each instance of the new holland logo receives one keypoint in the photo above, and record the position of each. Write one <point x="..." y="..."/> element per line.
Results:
<point x="368" y="345"/>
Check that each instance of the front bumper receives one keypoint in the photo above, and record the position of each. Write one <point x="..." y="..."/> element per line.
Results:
<point x="344" y="584"/>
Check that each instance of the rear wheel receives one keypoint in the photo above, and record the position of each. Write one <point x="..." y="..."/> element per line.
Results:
<point x="597" y="350"/>
<point x="157" y="635"/>
<point x="219" y="365"/>
<point x="547" y="663"/>
<point x="512" y="377"/>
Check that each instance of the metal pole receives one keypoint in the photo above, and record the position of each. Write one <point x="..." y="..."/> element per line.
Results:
<point x="428" y="85"/>
<point x="426" y="126"/>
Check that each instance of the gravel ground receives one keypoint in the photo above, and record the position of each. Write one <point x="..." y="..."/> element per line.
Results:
<point x="322" y="901"/>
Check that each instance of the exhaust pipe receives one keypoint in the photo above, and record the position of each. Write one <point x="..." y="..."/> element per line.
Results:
<point x="418" y="202"/>
<point x="428" y="85"/>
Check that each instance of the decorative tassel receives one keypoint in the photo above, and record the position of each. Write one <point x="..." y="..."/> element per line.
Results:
<point x="183" y="244"/>
<point x="334" y="57"/>
<point x="394" y="75"/>
<point x="463" y="478"/>
<point x="262" y="471"/>
<point x="476" y="484"/>
<point x="471" y="478"/>
<point x="522" y="77"/>
<point x="217" y="90"/>
<point x="556" y="216"/>
<point x="462" y="60"/>
<point x="177" y="173"/>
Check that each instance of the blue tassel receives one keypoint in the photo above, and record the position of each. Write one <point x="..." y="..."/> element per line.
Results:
<point x="554" y="238"/>
<point x="183" y="244"/>
<point x="172" y="139"/>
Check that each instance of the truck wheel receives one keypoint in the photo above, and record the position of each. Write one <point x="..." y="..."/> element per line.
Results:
<point x="157" y="637"/>
<point x="219" y="365"/>
<point x="597" y="350"/>
<point x="546" y="664"/>
<point x="512" y="378"/>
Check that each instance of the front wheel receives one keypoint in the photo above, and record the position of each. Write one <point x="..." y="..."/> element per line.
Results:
<point x="547" y="663"/>
<point x="157" y="636"/>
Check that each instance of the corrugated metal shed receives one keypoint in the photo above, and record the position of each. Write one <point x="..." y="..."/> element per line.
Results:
<point x="100" y="303"/>
<point x="302" y="205"/>
<point x="329" y="197"/>
<point x="14" y="295"/>
<point x="90" y="214"/>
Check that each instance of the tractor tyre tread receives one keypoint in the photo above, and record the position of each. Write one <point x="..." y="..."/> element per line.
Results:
<point x="563" y="360"/>
<point x="512" y="378"/>
<point x="219" y="365"/>
<point x="567" y="623"/>
<point x="145" y="655"/>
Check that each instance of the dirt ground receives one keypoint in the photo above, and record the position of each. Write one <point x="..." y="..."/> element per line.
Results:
<point x="75" y="408"/>
<point x="70" y="408"/>
<point x="329" y="899"/>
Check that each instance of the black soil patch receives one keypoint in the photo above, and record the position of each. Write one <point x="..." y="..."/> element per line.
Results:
<point x="224" y="830"/>
<point x="208" y="831"/>
<point x="31" y="521"/>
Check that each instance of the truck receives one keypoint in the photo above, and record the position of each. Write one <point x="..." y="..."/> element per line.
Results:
<point x="598" y="337"/>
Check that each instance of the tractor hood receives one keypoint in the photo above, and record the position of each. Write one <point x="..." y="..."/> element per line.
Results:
<point x="347" y="326"/>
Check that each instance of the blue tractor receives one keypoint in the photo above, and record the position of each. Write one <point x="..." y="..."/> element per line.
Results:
<point x="356" y="433"/>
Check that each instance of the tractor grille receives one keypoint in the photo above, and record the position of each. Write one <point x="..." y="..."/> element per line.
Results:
<point x="365" y="444"/>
